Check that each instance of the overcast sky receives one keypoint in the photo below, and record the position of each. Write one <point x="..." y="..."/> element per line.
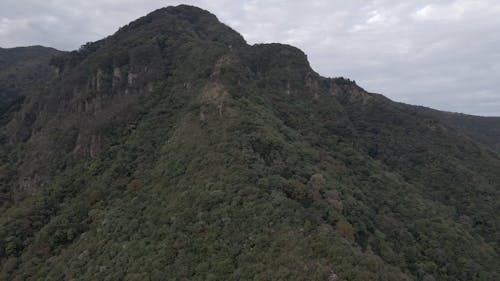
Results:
<point x="443" y="54"/>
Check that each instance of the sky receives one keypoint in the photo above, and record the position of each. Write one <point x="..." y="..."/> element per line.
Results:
<point x="444" y="54"/>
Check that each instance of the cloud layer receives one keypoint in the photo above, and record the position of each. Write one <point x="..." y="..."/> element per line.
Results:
<point x="443" y="54"/>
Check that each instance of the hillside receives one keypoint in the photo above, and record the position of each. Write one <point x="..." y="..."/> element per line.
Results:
<point x="21" y="69"/>
<point x="483" y="129"/>
<point x="173" y="150"/>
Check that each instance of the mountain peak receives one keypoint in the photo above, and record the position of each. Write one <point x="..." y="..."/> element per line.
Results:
<point x="187" y="20"/>
<point x="187" y="10"/>
<point x="187" y="13"/>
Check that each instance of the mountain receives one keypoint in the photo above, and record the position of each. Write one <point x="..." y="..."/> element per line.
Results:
<point x="485" y="130"/>
<point x="173" y="150"/>
<point x="20" y="69"/>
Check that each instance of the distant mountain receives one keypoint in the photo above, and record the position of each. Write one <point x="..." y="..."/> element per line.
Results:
<point x="483" y="129"/>
<point x="21" y="69"/>
<point x="173" y="150"/>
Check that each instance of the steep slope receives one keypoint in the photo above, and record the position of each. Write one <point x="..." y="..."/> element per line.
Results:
<point x="174" y="150"/>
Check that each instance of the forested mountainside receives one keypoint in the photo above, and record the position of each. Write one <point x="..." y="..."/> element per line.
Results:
<point x="481" y="128"/>
<point x="173" y="150"/>
<point x="21" y="69"/>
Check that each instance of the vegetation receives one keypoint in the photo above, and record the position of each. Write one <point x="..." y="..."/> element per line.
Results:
<point x="172" y="150"/>
<point x="20" y="70"/>
<point x="482" y="129"/>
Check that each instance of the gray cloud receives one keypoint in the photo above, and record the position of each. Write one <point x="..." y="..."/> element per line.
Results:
<point x="443" y="54"/>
